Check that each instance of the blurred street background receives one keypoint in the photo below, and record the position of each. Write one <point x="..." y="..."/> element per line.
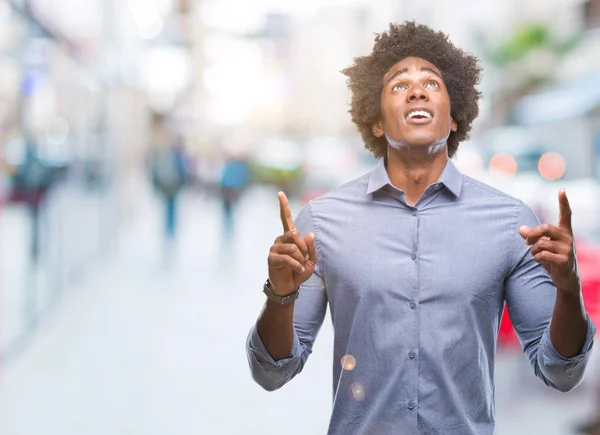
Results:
<point x="142" y="146"/>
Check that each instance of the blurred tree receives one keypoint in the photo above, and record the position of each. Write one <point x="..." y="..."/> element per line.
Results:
<point x="526" y="60"/>
<point x="527" y="39"/>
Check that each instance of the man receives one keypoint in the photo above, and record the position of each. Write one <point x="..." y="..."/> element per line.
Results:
<point x="416" y="262"/>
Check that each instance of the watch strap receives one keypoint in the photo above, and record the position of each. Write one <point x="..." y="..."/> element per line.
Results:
<point x="281" y="300"/>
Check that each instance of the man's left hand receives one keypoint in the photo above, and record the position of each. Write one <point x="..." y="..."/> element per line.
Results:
<point x="554" y="248"/>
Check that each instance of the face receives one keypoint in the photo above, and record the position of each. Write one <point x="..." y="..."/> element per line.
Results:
<point x="415" y="106"/>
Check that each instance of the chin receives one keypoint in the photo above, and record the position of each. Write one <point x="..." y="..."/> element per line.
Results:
<point x="422" y="141"/>
<point x="425" y="142"/>
<point x="413" y="143"/>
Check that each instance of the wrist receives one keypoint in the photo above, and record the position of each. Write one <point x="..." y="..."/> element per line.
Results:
<point x="273" y="306"/>
<point x="278" y="298"/>
<point x="280" y="290"/>
<point x="571" y="290"/>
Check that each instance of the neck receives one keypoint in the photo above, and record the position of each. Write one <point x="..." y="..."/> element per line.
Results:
<point x="413" y="173"/>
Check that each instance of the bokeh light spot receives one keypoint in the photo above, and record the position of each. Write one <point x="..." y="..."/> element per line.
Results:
<point x="57" y="130"/>
<point x="503" y="164"/>
<point x="348" y="362"/>
<point x="552" y="166"/>
<point x="357" y="391"/>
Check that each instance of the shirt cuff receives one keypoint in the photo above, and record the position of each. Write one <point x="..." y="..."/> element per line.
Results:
<point x="260" y="352"/>
<point x="551" y="355"/>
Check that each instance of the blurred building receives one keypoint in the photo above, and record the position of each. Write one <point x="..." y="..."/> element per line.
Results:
<point x="79" y="83"/>
<point x="564" y="114"/>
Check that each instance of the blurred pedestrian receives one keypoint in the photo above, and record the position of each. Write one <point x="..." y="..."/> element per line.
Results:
<point x="416" y="261"/>
<point x="32" y="181"/>
<point x="234" y="180"/>
<point x="168" y="172"/>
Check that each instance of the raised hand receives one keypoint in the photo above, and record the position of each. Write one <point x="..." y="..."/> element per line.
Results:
<point x="292" y="257"/>
<point x="554" y="248"/>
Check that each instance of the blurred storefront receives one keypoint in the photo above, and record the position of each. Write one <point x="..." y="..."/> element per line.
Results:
<point x="66" y="111"/>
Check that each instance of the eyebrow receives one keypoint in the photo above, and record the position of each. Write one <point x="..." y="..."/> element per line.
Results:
<point x="405" y="70"/>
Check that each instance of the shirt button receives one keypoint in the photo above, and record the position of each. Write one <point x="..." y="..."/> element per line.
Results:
<point x="414" y="213"/>
<point x="411" y="405"/>
<point x="413" y="305"/>
<point x="411" y="355"/>
<point x="414" y="256"/>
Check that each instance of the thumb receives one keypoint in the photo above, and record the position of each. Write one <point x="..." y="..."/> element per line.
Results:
<point x="312" y="250"/>
<point x="524" y="231"/>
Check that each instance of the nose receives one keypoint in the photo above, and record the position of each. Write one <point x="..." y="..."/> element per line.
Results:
<point x="417" y="92"/>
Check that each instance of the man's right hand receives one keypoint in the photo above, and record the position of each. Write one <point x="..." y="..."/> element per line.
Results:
<point x="292" y="258"/>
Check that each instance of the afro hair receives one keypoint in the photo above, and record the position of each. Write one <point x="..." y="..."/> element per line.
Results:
<point x="460" y="72"/>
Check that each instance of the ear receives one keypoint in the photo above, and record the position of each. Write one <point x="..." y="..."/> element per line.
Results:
<point x="454" y="126"/>
<point x="377" y="129"/>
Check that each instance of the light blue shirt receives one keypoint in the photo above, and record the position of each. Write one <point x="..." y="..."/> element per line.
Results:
<point x="416" y="295"/>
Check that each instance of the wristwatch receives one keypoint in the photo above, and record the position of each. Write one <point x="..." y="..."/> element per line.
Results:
<point x="281" y="300"/>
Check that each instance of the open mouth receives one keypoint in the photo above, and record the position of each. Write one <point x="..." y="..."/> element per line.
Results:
<point x="418" y="115"/>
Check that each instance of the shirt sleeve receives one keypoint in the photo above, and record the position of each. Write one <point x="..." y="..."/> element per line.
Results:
<point x="309" y="313"/>
<point x="530" y="297"/>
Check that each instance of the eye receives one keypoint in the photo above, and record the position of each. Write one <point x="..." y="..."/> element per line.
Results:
<point x="432" y="84"/>
<point x="398" y="87"/>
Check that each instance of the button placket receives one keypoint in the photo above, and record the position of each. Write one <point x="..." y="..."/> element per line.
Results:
<point x="411" y="405"/>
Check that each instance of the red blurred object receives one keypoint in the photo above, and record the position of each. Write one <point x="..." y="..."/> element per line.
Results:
<point x="588" y="259"/>
<point x="312" y="194"/>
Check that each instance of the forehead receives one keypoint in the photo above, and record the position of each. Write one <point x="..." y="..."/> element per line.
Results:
<point x="412" y="64"/>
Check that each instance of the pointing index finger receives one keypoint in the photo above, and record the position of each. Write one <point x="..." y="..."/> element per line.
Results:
<point x="285" y="212"/>
<point x="564" y="220"/>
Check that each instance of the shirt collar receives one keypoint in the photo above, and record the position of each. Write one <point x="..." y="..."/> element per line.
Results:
<point x="378" y="177"/>
<point x="451" y="178"/>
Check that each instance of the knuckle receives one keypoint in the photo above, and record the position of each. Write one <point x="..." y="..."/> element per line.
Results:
<point x="546" y="227"/>
<point x="545" y="244"/>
